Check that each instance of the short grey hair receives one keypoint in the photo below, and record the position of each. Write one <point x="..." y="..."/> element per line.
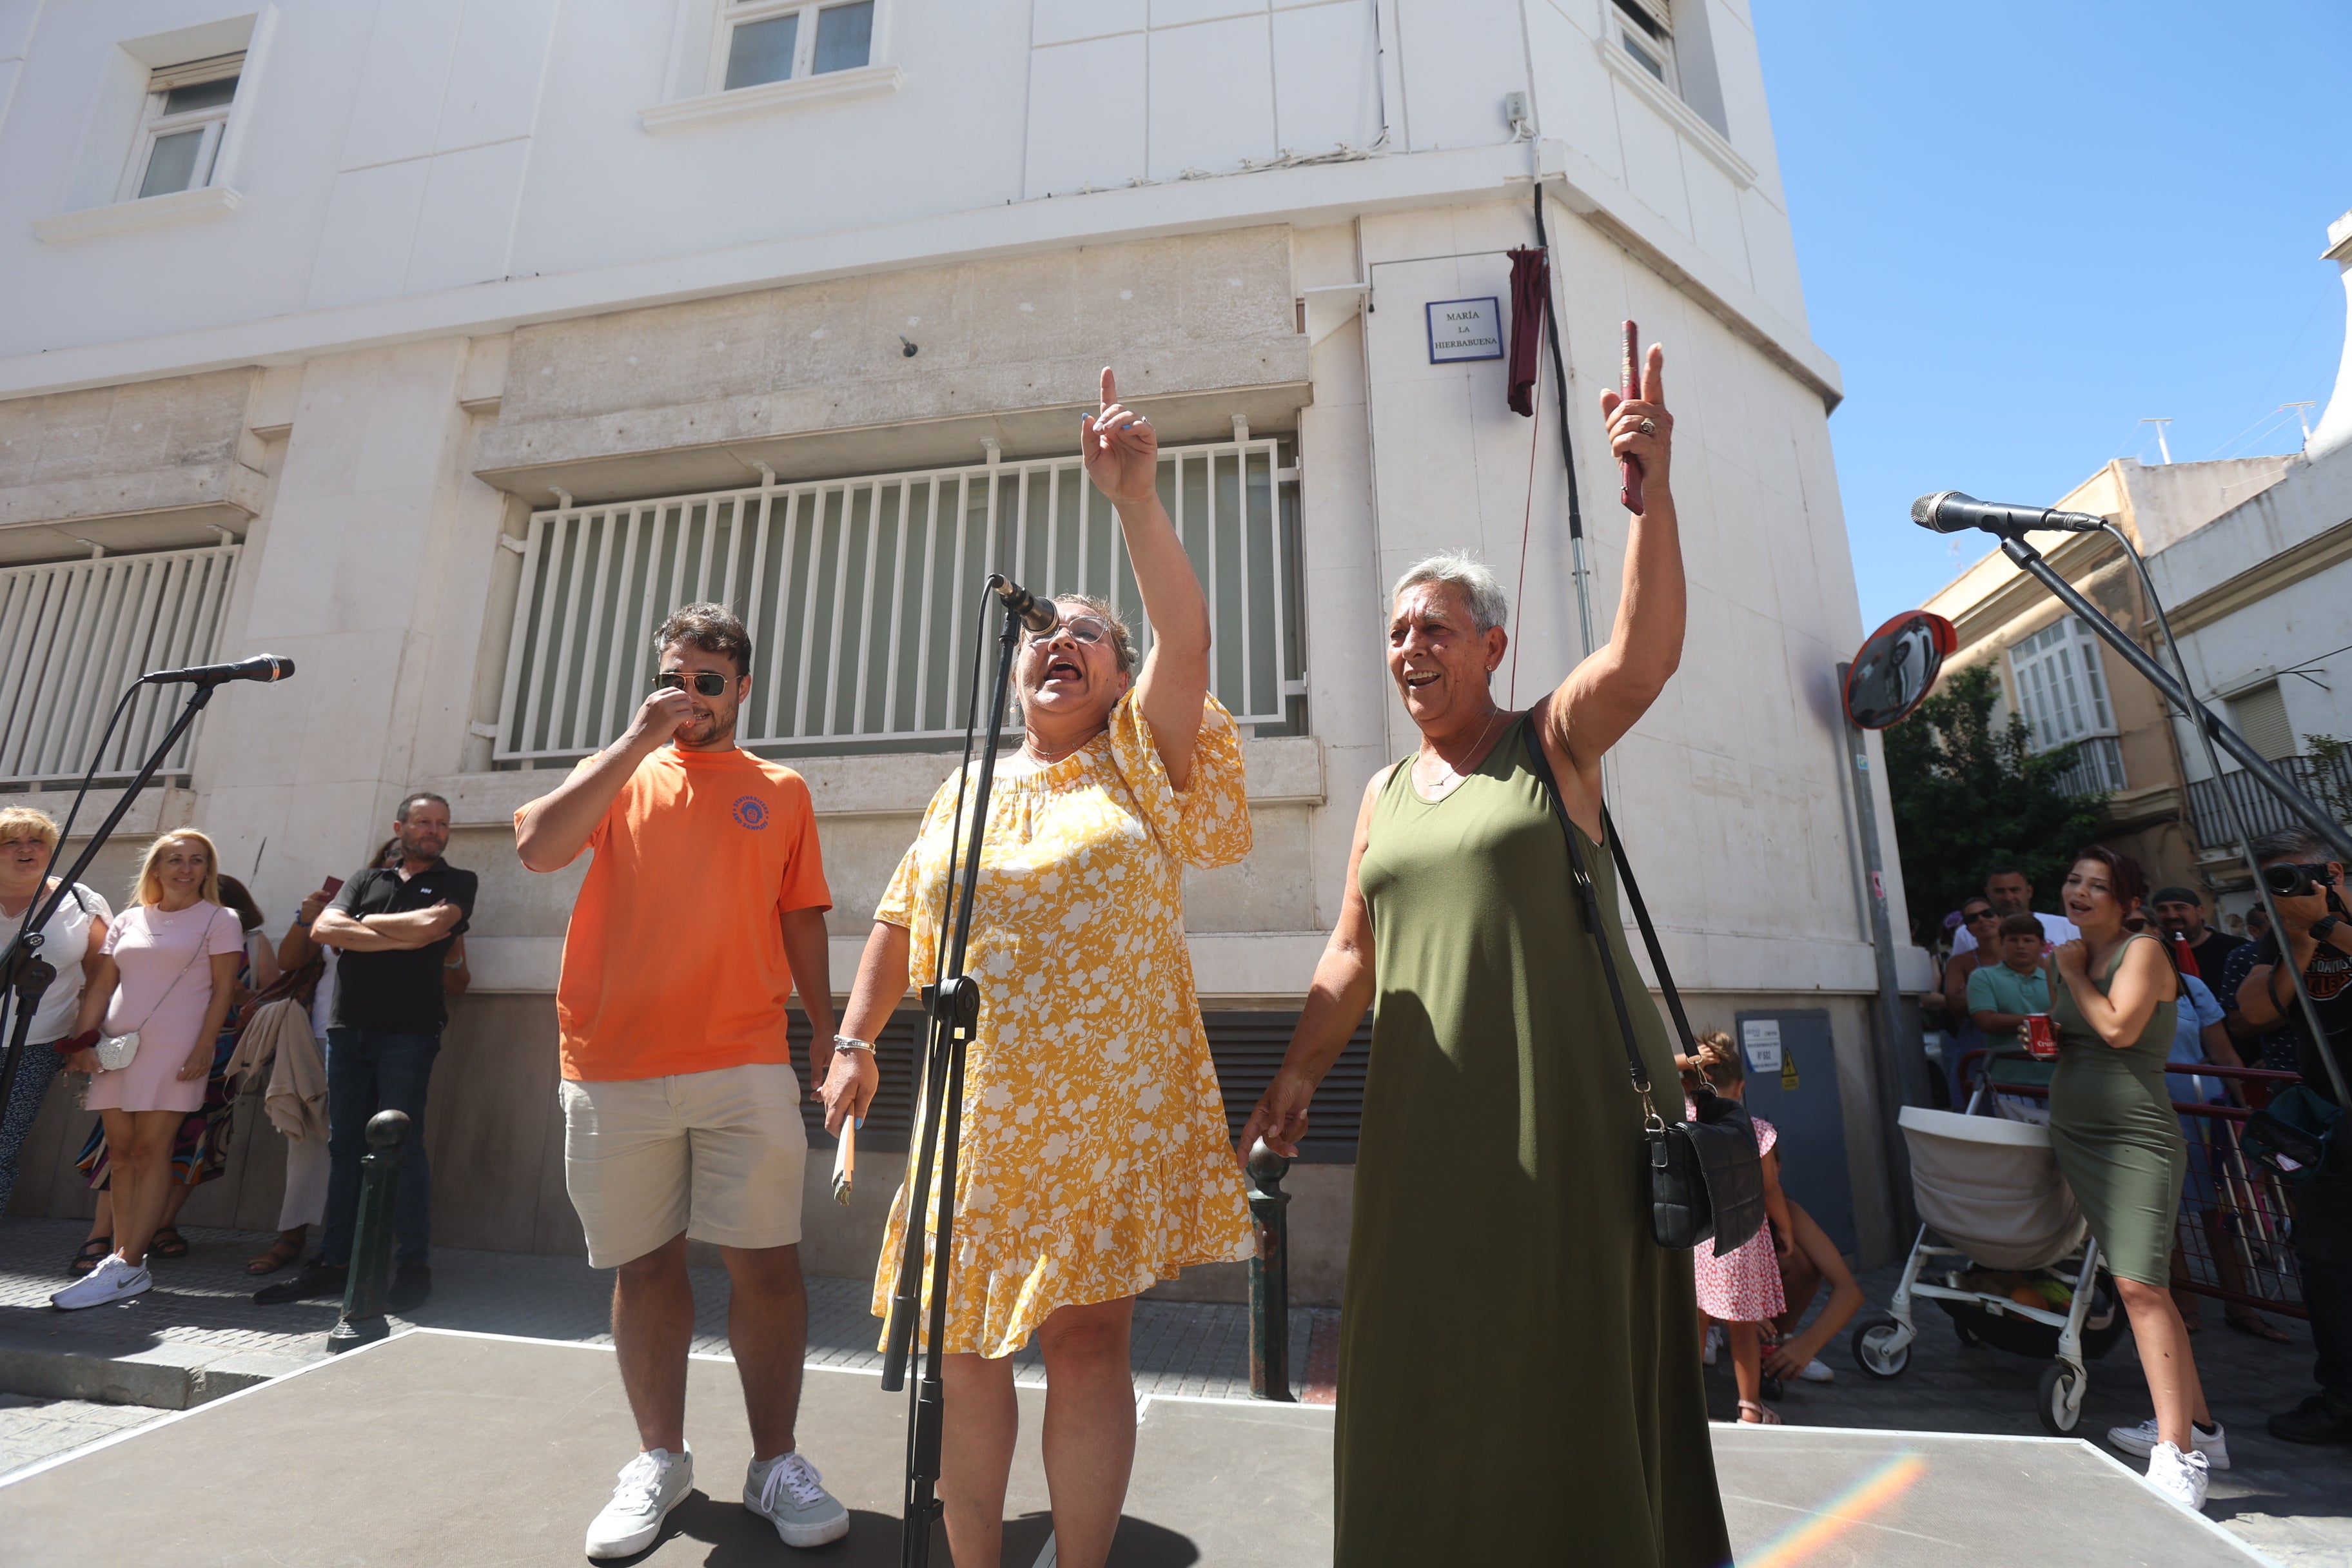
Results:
<point x="1489" y="606"/>
<point x="2296" y="842"/>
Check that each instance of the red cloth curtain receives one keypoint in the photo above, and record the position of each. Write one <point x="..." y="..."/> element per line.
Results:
<point x="1530" y="297"/>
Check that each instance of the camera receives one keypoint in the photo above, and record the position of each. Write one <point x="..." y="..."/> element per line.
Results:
<point x="2293" y="879"/>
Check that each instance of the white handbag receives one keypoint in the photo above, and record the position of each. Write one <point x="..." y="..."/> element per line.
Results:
<point x="115" y="1051"/>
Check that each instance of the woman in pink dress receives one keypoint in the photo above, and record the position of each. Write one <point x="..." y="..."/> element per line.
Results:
<point x="1741" y="1290"/>
<point x="167" y="972"/>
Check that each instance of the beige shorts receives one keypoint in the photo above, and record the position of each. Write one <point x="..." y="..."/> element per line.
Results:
<point x="720" y="1155"/>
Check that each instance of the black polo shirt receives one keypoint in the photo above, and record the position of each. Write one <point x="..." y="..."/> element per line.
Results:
<point x="398" y="990"/>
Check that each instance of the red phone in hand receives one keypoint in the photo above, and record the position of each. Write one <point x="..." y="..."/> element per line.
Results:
<point x="331" y="885"/>
<point x="1628" y="470"/>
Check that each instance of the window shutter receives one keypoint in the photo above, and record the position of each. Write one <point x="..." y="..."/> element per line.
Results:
<point x="2260" y="716"/>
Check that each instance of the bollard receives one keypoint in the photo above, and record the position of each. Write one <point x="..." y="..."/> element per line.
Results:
<point x="1269" y="1277"/>
<point x="362" y="1320"/>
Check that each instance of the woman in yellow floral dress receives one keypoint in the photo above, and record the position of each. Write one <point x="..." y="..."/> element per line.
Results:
<point x="1095" y="1155"/>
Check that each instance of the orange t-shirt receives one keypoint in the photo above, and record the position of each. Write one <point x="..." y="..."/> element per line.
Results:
<point x="674" y="960"/>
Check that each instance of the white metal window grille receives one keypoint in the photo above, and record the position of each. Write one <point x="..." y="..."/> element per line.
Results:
<point x="761" y="41"/>
<point x="74" y="634"/>
<point x="861" y="595"/>
<point x="186" y="113"/>
<point x="1645" y="31"/>
<point x="2060" y="685"/>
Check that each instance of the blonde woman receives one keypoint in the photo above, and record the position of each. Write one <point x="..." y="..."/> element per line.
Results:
<point x="167" y="972"/>
<point x="28" y="839"/>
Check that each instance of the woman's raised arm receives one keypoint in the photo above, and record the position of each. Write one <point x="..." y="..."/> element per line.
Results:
<point x="1122" y="458"/>
<point x="1609" y="690"/>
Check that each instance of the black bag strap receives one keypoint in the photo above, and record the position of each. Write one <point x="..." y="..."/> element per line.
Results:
<point x="1589" y="905"/>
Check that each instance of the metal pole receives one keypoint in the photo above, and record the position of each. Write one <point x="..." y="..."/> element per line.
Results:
<point x="1269" y="1277"/>
<point x="1900" y="1069"/>
<point x="363" y="1321"/>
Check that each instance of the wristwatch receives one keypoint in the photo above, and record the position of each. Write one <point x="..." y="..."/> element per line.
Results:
<point x="847" y="1043"/>
<point x="2324" y="926"/>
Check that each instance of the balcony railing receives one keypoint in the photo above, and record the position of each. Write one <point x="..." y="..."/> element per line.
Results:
<point x="861" y="595"/>
<point x="74" y="634"/>
<point x="2098" y="767"/>
<point x="2258" y="808"/>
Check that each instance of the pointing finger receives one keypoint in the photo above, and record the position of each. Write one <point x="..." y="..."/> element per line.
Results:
<point x="1653" y="376"/>
<point x="1110" y="387"/>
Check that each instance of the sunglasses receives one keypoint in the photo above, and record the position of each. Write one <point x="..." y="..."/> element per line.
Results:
<point x="1087" y="629"/>
<point x="1981" y="915"/>
<point x="703" y="682"/>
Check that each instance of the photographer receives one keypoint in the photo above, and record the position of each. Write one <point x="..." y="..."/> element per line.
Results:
<point x="2305" y="883"/>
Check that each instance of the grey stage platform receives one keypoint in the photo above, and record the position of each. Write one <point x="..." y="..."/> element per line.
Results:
<point x="447" y="1450"/>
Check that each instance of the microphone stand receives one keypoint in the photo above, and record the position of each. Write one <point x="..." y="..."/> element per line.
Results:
<point x="26" y="973"/>
<point x="2213" y="732"/>
<point x="953" y="1005"/>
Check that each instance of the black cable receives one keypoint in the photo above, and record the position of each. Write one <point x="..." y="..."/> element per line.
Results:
<point x="1560" y="384"/>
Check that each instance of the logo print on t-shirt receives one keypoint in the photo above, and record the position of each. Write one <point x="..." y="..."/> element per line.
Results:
<point x="751" y="811"/>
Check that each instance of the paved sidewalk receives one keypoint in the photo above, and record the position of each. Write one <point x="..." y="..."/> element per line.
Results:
<point x="204" y="1298"/>
<point x="32" y="1429"/>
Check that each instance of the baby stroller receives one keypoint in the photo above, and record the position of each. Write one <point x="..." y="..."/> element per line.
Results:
<point x="2013" y="1265"/>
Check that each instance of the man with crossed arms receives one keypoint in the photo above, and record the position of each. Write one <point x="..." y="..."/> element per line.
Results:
<point x="703" y="908"/>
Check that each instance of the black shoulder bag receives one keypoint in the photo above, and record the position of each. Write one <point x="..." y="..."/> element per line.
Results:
<point x="1702" y="1177"/>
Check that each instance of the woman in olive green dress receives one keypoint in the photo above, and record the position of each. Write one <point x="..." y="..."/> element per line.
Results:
<point x="2112" y="1125"/>
<point x="1518" y="1381"/>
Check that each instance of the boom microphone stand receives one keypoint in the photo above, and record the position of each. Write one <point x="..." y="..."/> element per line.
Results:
<point x="954" y="1003"/>
<point x="22" y="970"/>
<point x="2212" y="732"/>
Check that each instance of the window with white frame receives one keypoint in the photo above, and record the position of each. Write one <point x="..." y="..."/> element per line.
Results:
<point x="186" y="114"/>
<point x="1644" y="30"/>
<point x="2060" y="685"/>
<point x="762" y="41"/>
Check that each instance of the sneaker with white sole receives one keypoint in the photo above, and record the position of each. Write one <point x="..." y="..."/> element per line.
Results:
<point x="650" y="1485"/>
<point x="116" y="1278"/>
<point x="2178" y="1478"/>
<point x="787" y="1493"/>
<point x="1816" y="1372"/>
<point x="2140" y="1441"/>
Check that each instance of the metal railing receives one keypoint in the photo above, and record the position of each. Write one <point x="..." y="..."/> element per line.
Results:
<point x="2259" y="810"/>
<point x="860" y="593"/>
<point x="2098" y="767"/>
<point x="74" y="634"/>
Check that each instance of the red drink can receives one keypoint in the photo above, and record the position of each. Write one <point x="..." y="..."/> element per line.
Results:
<point x="2041" y="1038"/>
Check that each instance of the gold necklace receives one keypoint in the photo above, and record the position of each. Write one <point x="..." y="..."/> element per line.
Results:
<point x="1453" y="777"/>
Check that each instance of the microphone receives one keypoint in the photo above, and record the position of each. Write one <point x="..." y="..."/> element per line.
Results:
<point x="260" y="667"/>
<point x="1038" y="614"/>
<point x="1949" y="511"/>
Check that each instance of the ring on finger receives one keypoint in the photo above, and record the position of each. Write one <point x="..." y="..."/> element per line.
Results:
<point x="1648" y="426"/>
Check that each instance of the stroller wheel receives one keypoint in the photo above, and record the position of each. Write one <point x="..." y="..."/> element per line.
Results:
<point x="2059" y="1403"/>
<point x="1881" y="1347"/>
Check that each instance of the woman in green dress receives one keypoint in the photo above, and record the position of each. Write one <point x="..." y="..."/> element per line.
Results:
<point x="1518" y="1380"/>
<point x="2113" y="1000"/>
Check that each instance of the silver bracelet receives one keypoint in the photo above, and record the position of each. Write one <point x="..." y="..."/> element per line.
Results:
<point x="845" y="1043"/>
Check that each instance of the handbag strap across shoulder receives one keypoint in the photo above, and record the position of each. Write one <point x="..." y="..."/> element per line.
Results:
<point x="204" y="940"/>
<point x="1589" y="906"/>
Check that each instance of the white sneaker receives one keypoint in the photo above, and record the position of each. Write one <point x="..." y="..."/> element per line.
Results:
<point x="650" y="1485"/>
<point x="2140" y="1441"/>
<point x="2178" y="1477"/>
<point x="1816" y="1372"/>
<point x="785" y="1492"/>
<point x="116" y="1278"/>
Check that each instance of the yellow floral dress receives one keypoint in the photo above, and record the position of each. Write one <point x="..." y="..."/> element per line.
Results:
<point x="1095" y="1158"/>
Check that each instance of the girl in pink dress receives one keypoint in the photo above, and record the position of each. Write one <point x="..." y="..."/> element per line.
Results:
<point x="167" y="972"/>
<point x="1741" y="1290"/>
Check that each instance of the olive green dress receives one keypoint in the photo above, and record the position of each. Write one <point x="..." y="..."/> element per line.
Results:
<point x="1520" y="1375"/>
<point x="2113" y="1130"/>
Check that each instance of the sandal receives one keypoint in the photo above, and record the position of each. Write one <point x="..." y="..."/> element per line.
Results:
<point x="1765" y="1415"/>
<point x="2259" y="1327"/>
<point x="281" y="1253"/>
<point x="92" y="1252"/>
<point x="175" y="1246"/>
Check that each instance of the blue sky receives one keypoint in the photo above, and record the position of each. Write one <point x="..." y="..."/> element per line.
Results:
<point x="2025" y="227"/>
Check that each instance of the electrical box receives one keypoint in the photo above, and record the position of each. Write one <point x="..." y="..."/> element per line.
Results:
<point x="1792" y="1083"/>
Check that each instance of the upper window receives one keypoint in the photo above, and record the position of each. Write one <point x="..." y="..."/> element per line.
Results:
<point x="2060" y="685"/>
<point x="179" y="139"/>
<point x="777" y="40"/>
<point x="2261" y="717"/>
<point x="1645" y="32"/>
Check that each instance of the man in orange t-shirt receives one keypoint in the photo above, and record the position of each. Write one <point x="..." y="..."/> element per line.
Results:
<point x="703" y="906"/>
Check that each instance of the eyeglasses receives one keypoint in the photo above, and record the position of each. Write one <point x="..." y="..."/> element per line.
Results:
<point x="1087" y="629"/>
<point x="705" y="682"/>
<point x="1981" y="915"/>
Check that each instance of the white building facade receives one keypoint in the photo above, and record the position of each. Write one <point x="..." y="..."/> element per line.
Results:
<point x="444" y="347"/>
